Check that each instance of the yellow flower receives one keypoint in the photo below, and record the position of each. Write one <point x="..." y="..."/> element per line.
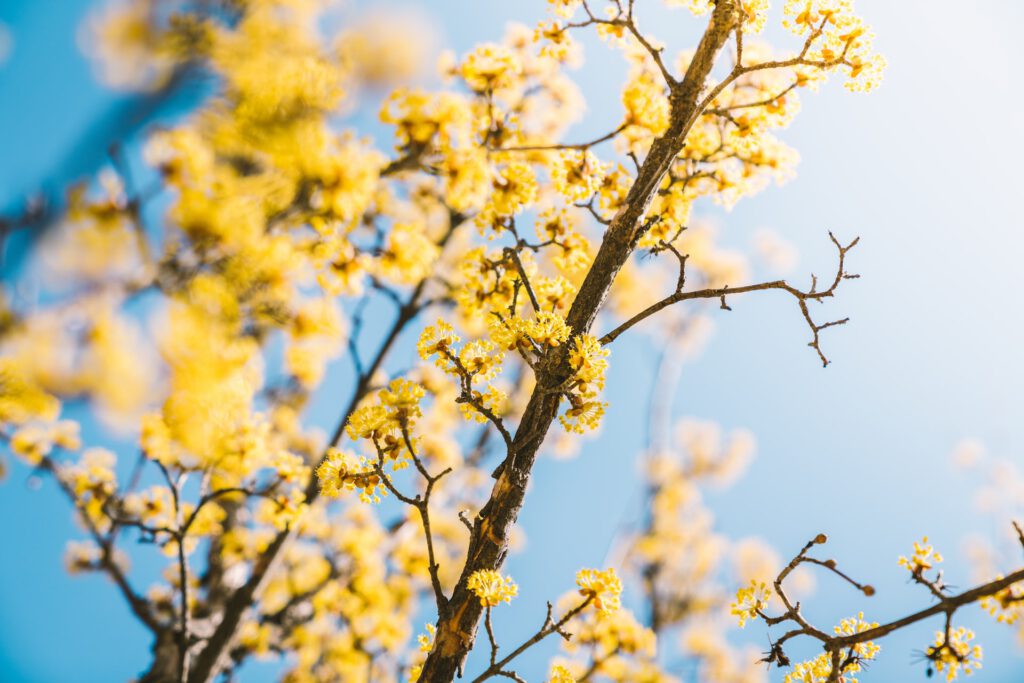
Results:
<point x="21" y="399"/>
<point x="408" y="255"/>
<point x="342" y="267"/>
<point x="559" y="674"/>
<point x="865" y="651"/>
<point x="514" y="188"/>
<point x="577" y="174"/>
<point x="548" y="329"/>
<point x="256" y="637"/>
<point x="82" y="556"/>
<point x="348" y="180"/>
<point x="343" y="471"/>
<point x="282" y="510"/>
<point x="923" y="559"/>
<point x="427" y="641"/>
<point x="438" y="341"/>
<point x="647" y="108"/>
<point x="565" y="8"/>
<point x="845" y="41"/>
<point x="481" y="359"/>
<point x="750" y="601"/>
<point x="370" y="422"/>
<point x="33" y="442"/>
<point x="819" y="669"/>
<point x="1007" y="606"/>
<point x="603" y="586"/>
<point x="490" y="67"/>
<point x="491" y="587"/>
<point x="402" y="398"/>
<point x="956" y="655"/>
<point x="588" y="360"/>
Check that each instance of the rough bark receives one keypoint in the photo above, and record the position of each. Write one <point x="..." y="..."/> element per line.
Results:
<point x="457" y="625"/>
<point x="165" y="664"/>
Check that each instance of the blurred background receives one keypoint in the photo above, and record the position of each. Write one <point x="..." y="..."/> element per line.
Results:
<point x="925" y="171"/>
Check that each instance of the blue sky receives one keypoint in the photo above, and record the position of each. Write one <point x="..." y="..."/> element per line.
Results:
<point x="925" y="171"/>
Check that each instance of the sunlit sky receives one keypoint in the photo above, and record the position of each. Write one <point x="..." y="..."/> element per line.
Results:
<point x="925" y="171"/>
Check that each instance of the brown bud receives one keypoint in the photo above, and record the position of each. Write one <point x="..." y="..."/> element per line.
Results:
<point x="821" y="538"/>
<point x="868" y="590"/>
<point x="831" y="564"/>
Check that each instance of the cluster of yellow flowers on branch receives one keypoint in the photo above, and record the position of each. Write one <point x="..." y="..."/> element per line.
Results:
<point x="598" y="589"/>
<point x="852" y="642"/>
<point x="204" y="324"/>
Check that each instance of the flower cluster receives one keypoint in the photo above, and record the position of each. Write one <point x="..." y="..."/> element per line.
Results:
<point x="1007" y="606"/>
<point x="841" y="39"/>
<point x="602" y="587"/>
<point x="35" y="441"/>
<point x="820" y="669"/>
<point x="560" y="674"/>
<point x="491" y="587"/>
<point x="544" y="331"/>
<point x="388" y="422"/>
<point x="588" y="360"/>
<point x="924" y="558"/>
<point x="750" y="601"/>
<point x="953" y="653"/>
<point x="479" y="360"/>
<point x="577" y="175"/>
<point x="343" y="471"/>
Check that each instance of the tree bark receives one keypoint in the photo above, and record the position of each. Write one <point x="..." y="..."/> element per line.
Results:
<point x="457" y="625"/>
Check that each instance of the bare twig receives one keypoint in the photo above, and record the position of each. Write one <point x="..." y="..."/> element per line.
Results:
<point x="550" y="625"/>
<point x="721" y="293"/>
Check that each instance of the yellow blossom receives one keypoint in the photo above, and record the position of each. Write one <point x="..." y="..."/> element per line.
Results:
<point x="408" y="255"/>
<point x="750" y="601"/>
<point x="490" y="67"/>
<point x="956" y="654"/>
<point x="603" y="586"/>
<point x="923" y="559"/>
<point x="559" y="674"/>
<point x="491" y="587"/>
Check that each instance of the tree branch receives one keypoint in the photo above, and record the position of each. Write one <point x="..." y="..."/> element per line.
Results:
<point x="721" y="293"/>
<point x="488" y="543"/>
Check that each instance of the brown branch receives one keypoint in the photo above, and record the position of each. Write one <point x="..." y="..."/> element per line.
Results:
<point x="721" y="293"/>
<point x="627" y="20"/>
<point x="423" y="507"/>
<point x="948" y="603"/>
<point x="835" y="644"/>
<point x="179" y="536"/>
<point x="490" y="635"/>
<point x="493" y="524"/>
<point x="589" y="206"/>
<point x="497" y="668"/>
<point x="555" y="147"/>
<point x="800" y="60"/>
<point x="466" y="396"/>
<point x="140" y="606"/>
<point x="514" y="255"/>
<point x="725" y="111"/>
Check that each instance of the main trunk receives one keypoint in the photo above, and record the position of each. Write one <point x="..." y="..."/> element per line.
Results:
<point x="457" y="625"/>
